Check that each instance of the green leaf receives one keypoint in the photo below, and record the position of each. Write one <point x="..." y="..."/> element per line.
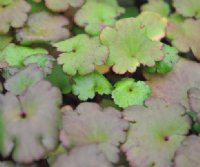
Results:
<point x="128" y="92"/>
<point x="86" y="86"/>
<point x="129" y="46"/>
<point x="25" y="78"/>
<point x="15" y="55"/>
<point x="4" y="41"/>
<point x="166" y="65"/>
<point x="80" y="54"/>
<point x="59" y="79"/>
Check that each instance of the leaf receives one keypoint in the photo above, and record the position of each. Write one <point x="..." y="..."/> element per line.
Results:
<point x="153" y="25"/>
<point x="80" y="54"/>
<point x="188" y="153"/>
<point x="173" y="86"/>
<point x="44" y="61"/>
<point x="59" y="79"/>
<point x="16" y="20"/>
<point x="4" y="41"/>
<point x="15" y="55"/>
<point x="37" y="106"/>
<point x="129" y="46"/>
<point x="128" y="92"/>
<point x="94" y="16"/>
<point x="85" y="87"/>
<point x="25" y="78"/>
<point x="83" y="156"/>
<point x="157" y="6"/>
<point x="62" y="5"/>
<point x="43" y="27"/>
<point x="90" y="124"/>
<point x="194" y="101"/>
<point x="166" y="65"/>
<point x="156" y="131"/>
<point x="184" y="35"/>
<point x="11" y="164"/>
<point x="188" y="8"/>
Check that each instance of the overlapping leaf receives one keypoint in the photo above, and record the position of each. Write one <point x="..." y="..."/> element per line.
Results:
<point x="81" y="54"/>
<point x="173" y="86"/>
<point x="37" y="106"/>
<point x="95" y="15"/>
<point x="188" y="8"/>
<point x="129" y="46"/>
<point x="61" y="5"/>
<point x="188" y="154"/>
<point x="156" y="131"/>
<point x="21" y="81"/>
<point x="90" y="124"/>
<point x="15" y="55"/>
<point x="86" y="86"/>
<point x="83" y="156"/>
<point x="43" y="27"/>
<point x="184" y="35"/>
<point x="13" y="15"/>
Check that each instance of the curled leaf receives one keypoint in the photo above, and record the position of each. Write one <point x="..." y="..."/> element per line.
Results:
<point x="156" y="131"/>
<point x="86" y="86"/>
<point x="81" y="54"/>
<point x="128" y="92"/>
<point x="13" y="15"/>
<point x="90" y="124"/>
<point x="43" y="27"/>
<point x="23" y="140"/>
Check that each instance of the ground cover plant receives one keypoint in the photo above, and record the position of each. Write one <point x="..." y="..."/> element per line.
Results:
<point x="99" y="83"/>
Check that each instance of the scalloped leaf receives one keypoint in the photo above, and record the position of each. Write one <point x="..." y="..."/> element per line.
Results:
<point x="22" y="139"/>
<point x="15" y="55"/>
<point x="166" y="65"/>
<point x="62" y="5"/>
<point x="86" y="86"/>
<point x="173" y="86"/>
<point x="153" y="25"/>
<point x="129" y="46"/>
<point x="128" y="92"/>
<point x="85" y="156"/>
<point x="194" y="101"/>
<point x="44" y="61"/>
<point x="80" y="54"/>
<point x="157" y="6"/>
<point x="25" y="78"/>
<point x="59" y="79"/>
<point x="156" y="131"/>
<point x="188" y="8"/>
<point x="183" y="35"/>
<point x="16" y="20"/>
<point x="43" y="27"/>
<point x="94" y="16"/>
<point x="90" y="124"/>
<point x="188" y="154"/>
